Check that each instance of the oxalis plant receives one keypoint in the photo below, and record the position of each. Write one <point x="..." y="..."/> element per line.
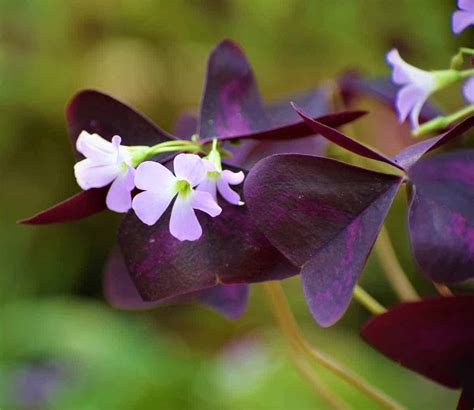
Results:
<point x="244" y="193"/>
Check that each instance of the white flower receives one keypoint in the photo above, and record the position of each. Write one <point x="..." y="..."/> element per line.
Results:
<point x="106" y="163"/>
<point x="216" y="180"/>
<point x="160" y="186"/>
<point x="417" y="84"/>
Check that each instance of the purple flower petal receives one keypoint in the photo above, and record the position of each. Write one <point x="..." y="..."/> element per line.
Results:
<point x="227" y="192"/>
<point x="93" y="175"/>
<point x="120" y="292"/>
<point x="232" y="250"/>
<point x="466" y="5"/>
<point x="324" y="216"/>
<point x="203" y="201"/>
<point x="441" y="216"/>
<point x="189" y="167"/>
<point x="119" y="197"/>
<point x="100" y="113"/>
<point x="184" y="224"/>
<point x="468" y="90"/>
<point x="407" y="98"/>
<point x="231" y="103"/>
<point x="150" y="205"/>
<point x="229" y="300"/>
<point x="428" y="337"/>
<point x="79" y="206"/>
<point x="344" y="141"/>
<point x="152" y="176"/>
<point x="410" y="155"/>
<point x="461" y="20"/>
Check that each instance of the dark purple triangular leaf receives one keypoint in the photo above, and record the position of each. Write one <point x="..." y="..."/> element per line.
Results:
<point x="94" y="111"/>
<point x="231" y="250"/>
<point x="464" y="403"/>
<point x="344" y="141"/>
<point x="79" y="206"/>
<point x="120" y="292"/>
<point x="441" y="216"/>
<point x="324" y="216"/>
<point x="353" y="84"/>
<point x="428" y="337"/>
<point x="231" y="103"/>
<point x="186" y="125"/>
<point x="315" y="102"/>
<point x="410" y="155"/>
<point x="229" y="300"/>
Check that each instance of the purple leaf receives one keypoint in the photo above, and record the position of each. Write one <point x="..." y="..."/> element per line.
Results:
<point x="352" y="84"/>
<point x="429" y="336"/>
<point x="94" y="111"/>
<point x="229" y="300"/>
<point x="120" y="292"/>
<point x="441" y="216"/>
<point x="410" y="155"/>
<point x="231" y="103"/>
<point x="464" y="369"/>
<point x="324" y="216"/>
<point x="186" y="125"/>
<point x="100" y="113"/>
<point x="231" y="250"/>
<point x="343" y="140"/>
<point x="315" y="102"/>
<point x="79" y="206"/>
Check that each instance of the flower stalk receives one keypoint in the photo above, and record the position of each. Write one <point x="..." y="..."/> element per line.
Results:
<point x="295" y="337"/>
<point x="443" y="121"/>
<point x="366" y="300"/>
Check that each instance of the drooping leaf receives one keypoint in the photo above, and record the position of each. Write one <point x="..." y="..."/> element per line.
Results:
<point x="410" y="155"/>
<point x="79" y="206"/>
<point x="231" y="103"/>
<point x="441" y="215"/>
<point x="343" y="140"/>
<point x="324" y="216"/>
<point x="231" y="250"/>
<point x="120" y="292"/>
<point x="428" y="336"/>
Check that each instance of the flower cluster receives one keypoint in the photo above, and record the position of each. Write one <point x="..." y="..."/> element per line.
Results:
<point x="418" y="85"/>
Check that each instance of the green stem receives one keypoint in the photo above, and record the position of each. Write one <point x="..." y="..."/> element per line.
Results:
<point x="394" y="272"/>
<point x="443" y="121"/>
<point x="294" y="335"/>
<point x="366" y="300"/>
<point x="466" y="50"/>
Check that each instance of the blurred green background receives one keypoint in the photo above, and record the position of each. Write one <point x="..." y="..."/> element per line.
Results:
<point x="54" y="323"/>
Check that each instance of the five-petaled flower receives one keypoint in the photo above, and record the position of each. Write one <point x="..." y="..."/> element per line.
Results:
<point x="160" y="186"/>
<point x="217" y="180"/>
<point x="464" y="17"/>
<point x="106" y="163"/>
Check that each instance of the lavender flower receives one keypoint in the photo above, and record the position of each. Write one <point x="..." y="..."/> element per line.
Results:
<point x="468" y="90"/>
<point x="219" y="180"/>
<point x="106" y="162"/>
<point x="464" y="17"/>
<point x="417" y="84"/>
<point x="161" y="186"/>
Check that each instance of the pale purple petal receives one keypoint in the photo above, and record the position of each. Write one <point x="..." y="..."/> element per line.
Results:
<point x="233" y="178"/>
<point x="205" y="202"/>
<point x="415" y="113"/>
<point x="152" y="176"/>
<point x="468" y="90"/>
<point x="407" y="98"/>
<point x="93" y="146"/>
<point x="150" y="205"/>
<point x="189" y="167"/>
<point x="119" y="197"/>
<point x="90" y="174"/>
<point x="466" y="5"/>
<point x="227" y="193"/>
<point x="461" y="20"/>
<point x="399" y="75"/>
<point x="209" y="185"/>
<point x="184" y="224"/>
